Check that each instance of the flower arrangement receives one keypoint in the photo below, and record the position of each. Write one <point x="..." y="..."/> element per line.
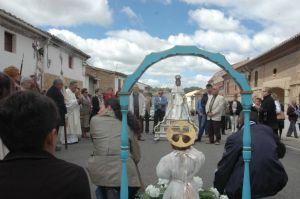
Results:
<point x="157" y="191"/>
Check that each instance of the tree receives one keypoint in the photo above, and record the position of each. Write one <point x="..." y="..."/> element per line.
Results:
<point x="190" y="89"/>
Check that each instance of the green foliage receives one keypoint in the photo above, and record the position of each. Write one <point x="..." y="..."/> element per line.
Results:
<point x="190" y="89"/>
<point x="207" y="195"/>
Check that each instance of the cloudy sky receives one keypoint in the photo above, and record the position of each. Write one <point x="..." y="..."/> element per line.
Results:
<point x="117" y="34"/>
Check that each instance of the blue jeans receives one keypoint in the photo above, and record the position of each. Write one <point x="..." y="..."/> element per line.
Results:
<point x="202" y="125"/>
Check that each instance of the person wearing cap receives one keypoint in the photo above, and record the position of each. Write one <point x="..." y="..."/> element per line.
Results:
<point x="182" y="164"/>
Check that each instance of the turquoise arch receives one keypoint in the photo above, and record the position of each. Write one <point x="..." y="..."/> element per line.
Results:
<point x="219" y="60"/>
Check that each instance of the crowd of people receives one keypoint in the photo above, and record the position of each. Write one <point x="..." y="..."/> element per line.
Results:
<point x="216" y="114"/>
<point x="33" y="121"/>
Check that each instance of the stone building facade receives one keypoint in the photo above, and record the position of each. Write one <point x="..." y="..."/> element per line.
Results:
<point x="103" y="79"/>
<point x="278" y="68"/>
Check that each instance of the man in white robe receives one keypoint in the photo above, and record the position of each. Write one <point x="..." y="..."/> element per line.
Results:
<point x="73" y="114"/>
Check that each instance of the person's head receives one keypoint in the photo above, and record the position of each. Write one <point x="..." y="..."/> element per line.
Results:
<point x="258" y="101"/>
<point x="28" y="122"/>
<point x="73" y="86"/>
<point x="84" y="92"/>
<point x="135" y="89"/>
<point x="266" y="91"/>
<point x="160" y="92"/>
<point x="110" y="91"/>
<point x="7" y="85"/>
<point x="215" y="90"/>
<point x="235" y="97"/>
<point x="274" y="96"/>
<point x="178" y="80"/>
<point x="13" y="72"/>
<point x="294" y="102"/>
<point x="27" y="83"/>
<point x="114" y="105"/>
<point x="98" y="92"/>
<point x="58" y="83"/>
<point x="209" y="88"/>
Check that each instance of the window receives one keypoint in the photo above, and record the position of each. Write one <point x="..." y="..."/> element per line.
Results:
<point x="274" y="72"/>
<point x="10" y="42"/>
<point x="255" y="78"/>
<point x="235" y="87"/>
<point x="70" y="62"/>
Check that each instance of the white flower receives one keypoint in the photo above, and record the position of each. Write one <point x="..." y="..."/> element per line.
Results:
<point x="152" y="191"/>
<point x="163" y="182"/>
<point x="215" y="191"/>
<point x="223" y="197"/>
<point x="199" y="182"/>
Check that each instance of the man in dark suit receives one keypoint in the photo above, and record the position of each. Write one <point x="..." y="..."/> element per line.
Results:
<point x="96" y="101"/>
<point x="56" y="95"/>
<point x="268" y="114"/>
<point x="30" y="170"/>
<point x="267" y="174"/>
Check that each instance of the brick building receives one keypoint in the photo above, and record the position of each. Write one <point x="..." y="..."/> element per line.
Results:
<point x="278" y="68"/>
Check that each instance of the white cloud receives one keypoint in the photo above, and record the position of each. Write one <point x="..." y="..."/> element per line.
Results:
<point x="129" y="12"/>
<point x="198" y="80"/>
<point x="210" y="19"/>
<point x="60" y="12"/>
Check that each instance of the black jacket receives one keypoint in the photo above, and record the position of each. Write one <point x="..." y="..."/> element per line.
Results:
<point x="239" y="108"/>
<point x="40" y="175"/>
<point x="267" y="174"/>
<point x="204" y="100"/>
<point x="291" y="113"/>
<point x="95" y="105"/>
<point x="268" y="114"/>
<point x="55" y="94"/>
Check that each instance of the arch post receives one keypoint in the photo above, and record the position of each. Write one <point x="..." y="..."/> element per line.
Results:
<point x="124" y="144"/>
<point x="246" y="102"/>
<point x="219" y="60"/>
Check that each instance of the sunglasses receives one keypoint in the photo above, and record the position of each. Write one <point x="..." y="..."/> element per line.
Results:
<point x="185" y="138"/>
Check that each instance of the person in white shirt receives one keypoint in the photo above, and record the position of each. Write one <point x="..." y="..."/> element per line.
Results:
<point x="214" y="109"/>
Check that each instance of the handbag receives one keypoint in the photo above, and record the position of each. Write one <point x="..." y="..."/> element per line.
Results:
<point x="281" y="116"/>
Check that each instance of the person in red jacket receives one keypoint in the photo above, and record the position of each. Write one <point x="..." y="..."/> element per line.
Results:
<point x="109" y="94"/>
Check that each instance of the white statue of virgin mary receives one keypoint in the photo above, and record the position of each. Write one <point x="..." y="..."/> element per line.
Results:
<point x="178" y="108"/>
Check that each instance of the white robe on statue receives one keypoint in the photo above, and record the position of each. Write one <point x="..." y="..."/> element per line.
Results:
<point x="73" y="117"/>
<point x="178" y="108"/>
<point x="180" y="168"/>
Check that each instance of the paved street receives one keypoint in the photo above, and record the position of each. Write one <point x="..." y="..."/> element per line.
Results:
<point x="153" y="151"/>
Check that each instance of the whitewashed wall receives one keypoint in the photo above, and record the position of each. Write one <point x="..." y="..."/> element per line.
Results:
<point x="77" y="72"/>
<point x="23" y="45"/>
